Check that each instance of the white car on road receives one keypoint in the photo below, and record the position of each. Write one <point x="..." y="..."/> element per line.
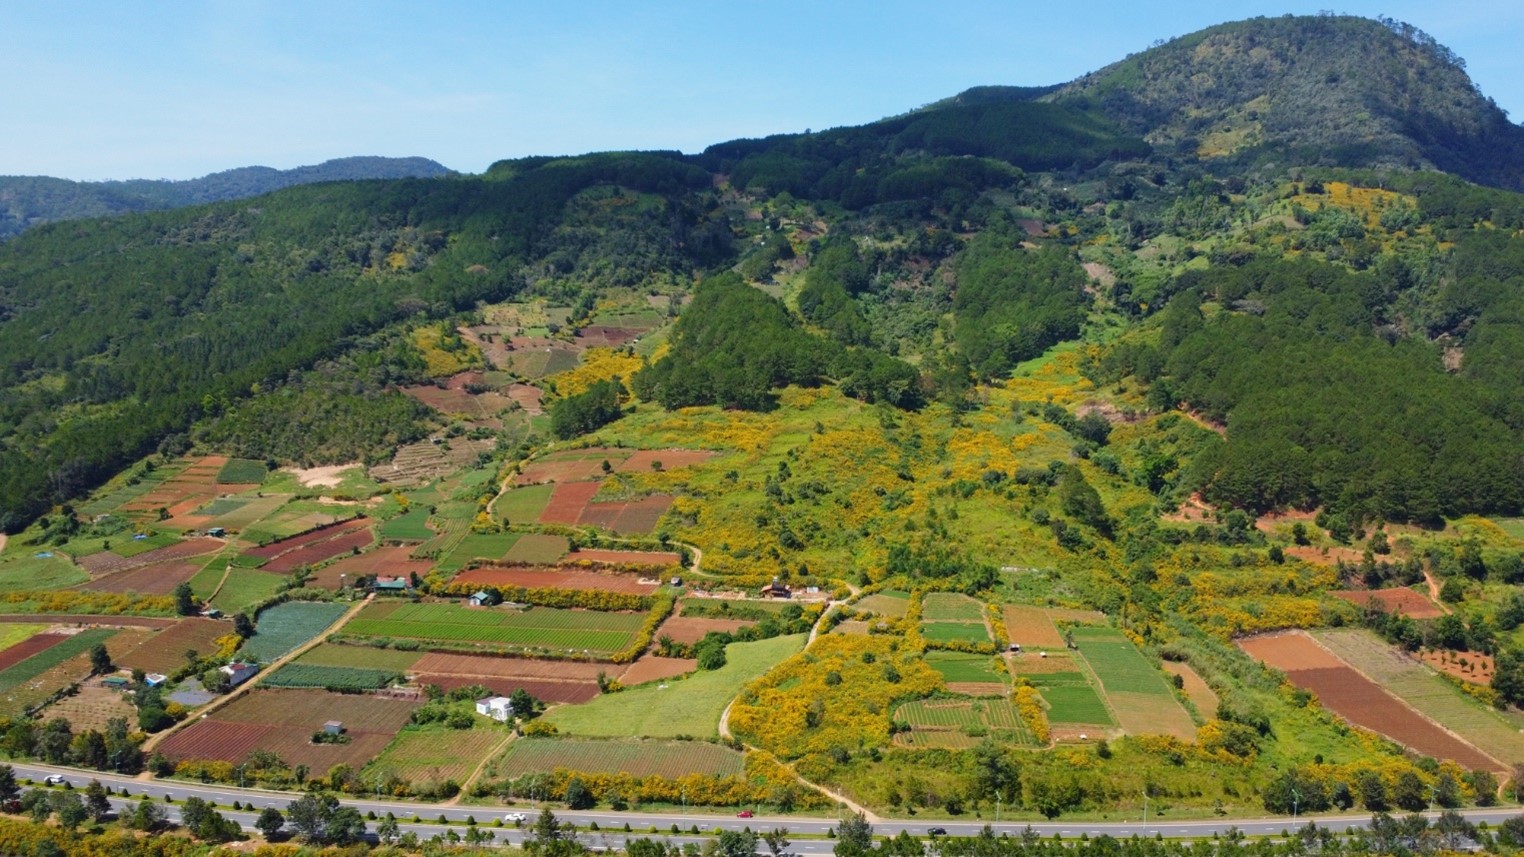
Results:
<point x="54" y="779"/>
<point x="515" y="818"/>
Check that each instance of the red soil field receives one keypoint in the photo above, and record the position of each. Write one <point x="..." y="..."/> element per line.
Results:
<point x="545" y="690"/>
<point x="567" y="502"/>
<point x="684" y="629"/>
<point x="670" y="459"/>
<point x="1412" y="604"/>
<point x="571" y="469"/>
<point x="637" y="516"/>
<point x="652" y="668"/>
<point x="28" y="647"/>
<point x="1477" y="669"/>
<point x="165" y="651"/>
<point x="276" y="548"/>
<point x="315" y="553"/>
<point x="655" y="559"/>
<point x="157" y="579"/>
<point x="108" y="562"/>
<point x="602" y="336"/>
<point x="541" y="578"/>
<point x="91" y="619"/>
<point x="529" y="398"/>
<point x="1324" y="555"/>
<point x="283" y="721"/>
<point x="1348" y="693"/>
<point x="524" y="668"/>
<point x="386" y="562"/>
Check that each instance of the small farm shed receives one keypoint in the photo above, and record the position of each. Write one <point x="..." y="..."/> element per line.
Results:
<point x="499" y="708"/>
<point x="391" y="584"/>
<point x="333" y="727"/>
<point x="239" y="672"/>
<point x="484" y="598"/>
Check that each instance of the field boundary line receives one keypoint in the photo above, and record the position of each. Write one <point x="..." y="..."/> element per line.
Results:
<point x="227" y="572"/>
<point x="465" y="787"/>
<point x="254" y="681"/>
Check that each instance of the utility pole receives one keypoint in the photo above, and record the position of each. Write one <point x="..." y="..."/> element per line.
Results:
<point x="1296" y="799"/>
<point x="1145" y="810"/>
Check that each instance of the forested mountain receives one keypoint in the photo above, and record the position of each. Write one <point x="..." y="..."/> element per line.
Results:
<point x="1325" y="90"/>
<point x="27" y="201"/>
<point x="916" y="258"/>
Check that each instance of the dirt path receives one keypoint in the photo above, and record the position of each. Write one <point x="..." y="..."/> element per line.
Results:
<point x="226" y="573"/>
<point x="830" y="606"/>
<point x="465" y="787"/>
<point x="1428" y="578"/>
<point x="155" y="740"/>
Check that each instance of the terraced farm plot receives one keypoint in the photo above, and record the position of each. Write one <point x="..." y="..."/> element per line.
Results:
<point x="1031" y="627"/>
<point x="243" y="471"/>
<point x="348" y="544"/>
<point x="669" y="759"/>
<point x="411" y="526"/>
<point x="956" y="632"/>
<point x="963" y="667"/>
<point x="1351" y="695"/>
<point x="50" y="673"/>
<point x="890" y="603"/>
<point x="1414" y="605"/>
<point x="525" y="503"/>
<point x="486" y="546"/>
<point x="244" y="588"/>
<point x="1196" y="689"/>
<point x="1075" y="703"/>
<point x="537" y="549"/>
<point x="1421" y="688"/>
<point x="1144" y="703"/>
<point x="365" y="657"/>
<point x="647" y="460"/>
<point x="284" y="627"/>
<point x="572" y="465"/>
<point x="31" y="667"/>
<point x="951" y="607"/>
<point x="309" y="537"/>
<point x="691" y="629"/>
<point x="656" y="668"/>
<point x="535" y="627"/>
<point x="249" y="512"/>
<point x="384" y="562"/>
<point x="567" y="502"/>
<point x="627" y="517"/>
<point x="160" y="578"/>
<point x="283" y="721"/>
<point x="164" y="652"/>
<point x="436" y="755"/>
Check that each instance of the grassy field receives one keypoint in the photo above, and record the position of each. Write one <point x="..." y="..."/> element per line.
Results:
<point x="436" y="754"/>
<point x="244" y="589"/>
<point x="948" y="632"/>
<point x="961" y="667"/>
<point x="688" y="707"/>
<point x="524" y="504"/>
<point x="409" y="526"/>
<point x="670" y="759"/>
<point x="537" y="549"/>
<point x="242" y="470"/>
<point x="1422" y="688"/>
<point x="21" y="571"/>
<point x="490" y="546"/>
<point x="286" y="626"/>
<point x="1075" y="703"/>
<point x="887" y="603"/>
<point x="539" y="626"/>
<point x="951" y="607"/>
<point x="1118" y="663"/>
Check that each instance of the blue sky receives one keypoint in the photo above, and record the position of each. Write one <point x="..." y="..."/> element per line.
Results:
<point x="100" y="90"/>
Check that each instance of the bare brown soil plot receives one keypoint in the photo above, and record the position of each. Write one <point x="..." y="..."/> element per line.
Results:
<point x="567" y="502"/>
<point x="543" y="578"/>
<point x="165" y="651"/>
<point x="545" y="690"/>
<point x="1151" y="714"/>
<point x="639" y="517"/>
<point x="28" y="647"/>
<point x="1031" y="627"/>
<point x="1412" y="604"/>
<point x="602" y="336"/>
<point x="529" y="398"/>
<point x="92" y="707"/>
<point x="1349" y="694"/>
<point x="854" y="627"/>
<point x="527" y="668"/>
<point x="655" y="559"/>
<point x="157" y="579"/>
<point x="977" y="688"/>
<point x="1031" y="663"/>
<point x="276" y="548"/>
<point x="1324" y="555"/>
<point x="386" y="562"/>
<point x="654" y="668"/>
<point x="1474" y="667"/>
<point x="315" y="553"/>
<point x="644" y="460"/>
<point x="1195" y="688"/>
<point x="571" y="469"/>
<point x="686" y="630"/>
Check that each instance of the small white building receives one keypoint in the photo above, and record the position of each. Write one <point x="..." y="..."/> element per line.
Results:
<point x="239" y="672"/>
<point x="499" y="708"/>
<point x="155" y="679"/>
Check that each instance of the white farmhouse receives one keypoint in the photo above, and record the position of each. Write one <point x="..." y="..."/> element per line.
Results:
<point x="499" y="708"/>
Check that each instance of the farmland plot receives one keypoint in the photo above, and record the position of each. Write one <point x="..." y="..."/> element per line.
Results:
<point x="1144" y="703"/>
<point x="283" y="721"/>
<point x="546" y="680"/>
<point x="888" y="603"/>
<point x="1031" y="627"/>
<point x="546" y="627"/>
<point x="951" y="607"/>
<point x="669" y="759"/>
<point x="436" y="755"/>
<point x="556" y="578"/>
<point x="284" y="627"/>
<point x="957" y="723"/>
<point x="165" y="651"/>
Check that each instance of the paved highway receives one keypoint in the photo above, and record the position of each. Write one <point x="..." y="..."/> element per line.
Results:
<point x="612" y="823"/>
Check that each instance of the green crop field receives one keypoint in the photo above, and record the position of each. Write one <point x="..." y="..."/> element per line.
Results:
<point x="887" y="603"/>
<point x="951" y="607"/>
<point x="1422" y="688"/>
<point x="670" y="759"/>
<point x="24" y="572"/>
<point x="129" y="546"/>
<point x="691" y="706"/>
<point x="961" y="667"/>
<point x="286" y="626"/>
<point x="363" y="657"/>
<point x="409" y="526"/>
<point x="523" y="505"/>
<point x="245" y="588"/>
<point x="538" y="626"/>
<point x="49" y="658"/>
<point x="537" y="549"/>
<point x="432" y="754"/>
<point x="1075" y="703"/>
<point x="1118" y="663"/>
<point x="489" y="546"/>
<point x="223" y="506"/>
<point x="929" y="717"/>
<point x="242" y="470"/>
<point x="337" y="678"/>
<point x="950" y="632"/>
